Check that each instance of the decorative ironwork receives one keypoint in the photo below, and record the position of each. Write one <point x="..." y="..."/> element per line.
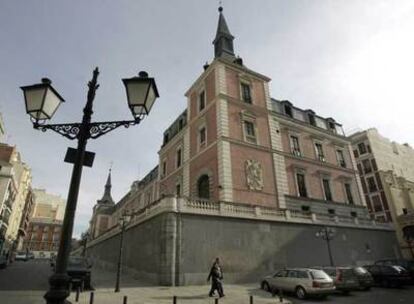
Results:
<point x="96" y="129"/>
<point x="68" y="130"/>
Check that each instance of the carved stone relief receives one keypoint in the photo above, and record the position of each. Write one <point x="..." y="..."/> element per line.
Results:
<point x="254" y="175"/>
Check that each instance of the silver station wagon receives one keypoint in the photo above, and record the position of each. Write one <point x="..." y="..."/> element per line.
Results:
<point x="301" y="281"/>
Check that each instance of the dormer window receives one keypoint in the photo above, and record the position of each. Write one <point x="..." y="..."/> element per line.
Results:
<point x="180" y="124"/>
<point x="246" y="92"/>
<point x="166" y="138"/>
<point x="312" y="119"/>
<point x="288" y="110"/>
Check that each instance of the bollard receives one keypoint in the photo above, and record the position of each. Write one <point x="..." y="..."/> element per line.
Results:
<point x="77" y="294"/>
<point x="91" y="298"/>
<point x="125" y="300"/>
<point x="174" y="299"/>
<point x="216" y="300"/>
<point x="251" y="299"/>
<point x="280" y="295"/>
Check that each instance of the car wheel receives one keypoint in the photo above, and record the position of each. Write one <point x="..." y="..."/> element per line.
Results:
<point x="345" y="292"/>
<point x="265" y="286"/>
<point x="300" y="292"/>
<point x="385" y="283"/>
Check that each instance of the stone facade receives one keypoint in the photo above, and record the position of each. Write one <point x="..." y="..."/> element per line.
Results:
<point x="387" y="176"/>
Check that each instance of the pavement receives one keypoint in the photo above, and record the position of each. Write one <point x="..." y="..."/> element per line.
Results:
<point x="26" y="282"/>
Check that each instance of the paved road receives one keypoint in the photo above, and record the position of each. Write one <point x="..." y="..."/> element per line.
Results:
<point x="30" y="275"/>
<point x="26" y="282"/>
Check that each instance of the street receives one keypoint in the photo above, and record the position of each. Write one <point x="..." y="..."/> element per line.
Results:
<point x="26" y="282"/>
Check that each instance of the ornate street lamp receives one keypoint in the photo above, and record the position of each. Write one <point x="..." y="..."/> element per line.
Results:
<point x="123" y="221"/>
<point x="327" y="234"/>
<point x="42" y="101"/>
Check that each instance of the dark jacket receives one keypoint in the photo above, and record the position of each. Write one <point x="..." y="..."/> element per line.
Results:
<point x="216" y="273"/>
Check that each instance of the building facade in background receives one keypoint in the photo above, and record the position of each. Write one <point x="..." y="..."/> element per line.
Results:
<point x="15" y="192"/>
<point x="386" y="170"/>
<point x="45" y="224"/>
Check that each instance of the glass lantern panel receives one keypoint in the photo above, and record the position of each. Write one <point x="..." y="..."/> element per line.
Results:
<point x="137" y="92"/>
<point x="138" y="110"/>
<point x="51" y="104"/>
<point x="34" y="99"/>
<point x="150" y="99"/>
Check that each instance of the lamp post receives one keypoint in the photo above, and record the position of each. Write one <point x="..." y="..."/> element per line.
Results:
<point x="85" y="237"/>
<point x="327" y="234"/>
<point x="124" y="220"/>
<point x="42" y="101"/>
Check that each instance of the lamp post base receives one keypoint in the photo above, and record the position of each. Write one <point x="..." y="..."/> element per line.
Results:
<point x="59" y="289"/>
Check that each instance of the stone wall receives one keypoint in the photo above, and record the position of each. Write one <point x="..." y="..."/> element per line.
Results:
<point x="178" y="249"/>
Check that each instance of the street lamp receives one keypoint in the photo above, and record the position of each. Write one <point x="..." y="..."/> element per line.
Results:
<point x="84" y="237"/>
<point x="123" y="221"/>
<point x="42" y="101"/>
<point x="327" y="234"/>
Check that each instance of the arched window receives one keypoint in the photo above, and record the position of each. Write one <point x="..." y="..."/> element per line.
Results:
<point x="203" y="187"/>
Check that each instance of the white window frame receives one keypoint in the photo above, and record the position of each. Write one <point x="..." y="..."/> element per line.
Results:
<point x="179" y="148"/>
<point x="199" y="91"/>
<point x="342" y="150"/>
<point x="248" y="83"/>
<point x="301" y="171"/>
<point x="297" y="135"/>
<point x="329" y="179"/>
<point x="251" y="118"/>
<point x="317" y="156"/>
<point x="349" y="182"/>
<point x="164" y="168"/>
<point x="201" y="145"/>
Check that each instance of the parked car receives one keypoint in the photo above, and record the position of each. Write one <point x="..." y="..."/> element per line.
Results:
<point x="79" y="270"/>
<point x="21" y="256"/>
<point x="30" y="255"/>
<point x="301" y="281"/>
<point x="389" y="276"/>
<point x="3" y="262"/>
<point x="364" y="278"/>
<point x="344" y="278"/>
<point x="408" y="265"/>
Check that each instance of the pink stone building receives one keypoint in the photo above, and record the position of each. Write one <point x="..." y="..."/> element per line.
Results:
<point x="235" y="143"/>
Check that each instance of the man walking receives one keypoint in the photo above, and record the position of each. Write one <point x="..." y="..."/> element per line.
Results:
<point x="216" y="275"/>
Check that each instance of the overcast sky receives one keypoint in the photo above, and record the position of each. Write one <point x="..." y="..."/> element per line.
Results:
<point x="349" y="59"/>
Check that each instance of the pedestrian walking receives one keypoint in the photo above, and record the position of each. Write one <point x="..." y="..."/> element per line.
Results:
<point x="216" y="276"/>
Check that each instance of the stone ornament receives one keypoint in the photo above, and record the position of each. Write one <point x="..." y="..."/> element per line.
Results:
<point x="254" y="174"/>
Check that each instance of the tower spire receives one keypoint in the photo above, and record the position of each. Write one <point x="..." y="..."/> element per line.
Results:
<point x="223" y="42"/>
<point x="107" y="197"/>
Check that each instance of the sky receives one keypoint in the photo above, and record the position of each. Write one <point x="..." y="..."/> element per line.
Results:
<point x="348" y="59"/>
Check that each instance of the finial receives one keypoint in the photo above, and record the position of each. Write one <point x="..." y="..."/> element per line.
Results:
<point x="220" y="9"/>
<point x="46" y="80"/>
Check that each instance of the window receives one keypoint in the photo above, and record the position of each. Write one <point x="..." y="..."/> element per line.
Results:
<point x="178" y="189"/>
<point x="341" y="158"/>
<point x="348" y="193"/>
<point x="360" y="171"/>
<point x="364" y="185"/>
<point x="374" y="164"/>
<point x="376" y="202"/>
<point x="249" y="131"/>
<point x="203" y="187"/>
<point x="300" y="180"/>
<point x="166" y="138"/>
<point x="319" y="152"/>
<point x="180" y="124"/>
<point x="201" y="101"/>
<point x="372" y="186"/>
<point x="332" y="126"/>
<point x="164" y="168"/>
<point x="331" y="211"/>
<point x="179" y="158"/>
<point x="379" y="183"/>
<point x="202" y="137"/>
<point x="312" y="119"/>
<point x="288" y="110"/>
<point x="362" y="149"/>
<point x="354" y="214"/>
<point x="367" y="166"/>
<point x="356" y="154"/>
<point x="327" y="189"/>
<point x="246" y="94"/>
<point x="294" y="145"/>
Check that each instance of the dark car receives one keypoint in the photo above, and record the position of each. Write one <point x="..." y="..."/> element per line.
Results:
<point x="79" y="270"/>
<point x="364" y="278"/>
<point x="344" y="278"/>
<point x="408" y="265"/>
<point x="389" y="276"/>
<point x="3" y="262"/>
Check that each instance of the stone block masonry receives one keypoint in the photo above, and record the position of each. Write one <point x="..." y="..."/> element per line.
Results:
<point x="175" y="242"/>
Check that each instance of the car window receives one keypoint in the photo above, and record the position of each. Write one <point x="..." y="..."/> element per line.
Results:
<point x="360" y="270"/>
<point x="280" y="274"/>
<point x="319" y="274"/>
<point x="330" y="271"/>
<point x="77" y="263"/>
<point x="292" y="274"/>
<point x="302" y="274"/>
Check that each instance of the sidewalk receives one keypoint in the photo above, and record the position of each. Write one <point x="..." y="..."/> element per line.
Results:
<point x="235" y="294"/>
